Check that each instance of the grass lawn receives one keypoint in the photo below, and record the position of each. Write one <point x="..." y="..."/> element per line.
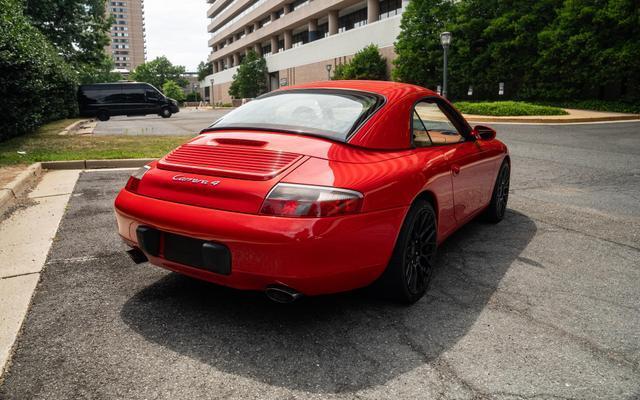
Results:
<point x="507" y="108"/>
<point x="46" y="145"/>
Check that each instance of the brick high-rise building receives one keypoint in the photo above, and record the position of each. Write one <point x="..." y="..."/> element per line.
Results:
<point x="299" y="39"/>
<point x="128" y="38"/>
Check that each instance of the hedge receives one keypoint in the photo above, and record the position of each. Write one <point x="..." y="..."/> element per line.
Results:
<point x="36" y="84"/>
<point x="507" y="108"/>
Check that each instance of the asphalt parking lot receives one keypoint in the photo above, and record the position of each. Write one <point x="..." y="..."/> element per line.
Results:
<point x="188" y="121"/>
<point x="545" y="305"/>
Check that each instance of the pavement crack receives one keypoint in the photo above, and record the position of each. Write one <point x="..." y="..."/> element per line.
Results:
<point x="589" y="345"/>
<point x="586" y="234"/>
<point x="50" y="195"/>
<point x="19" y="275"/>
<point x="72" y="260"/>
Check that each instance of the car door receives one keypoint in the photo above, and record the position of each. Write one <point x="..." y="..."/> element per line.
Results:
<point x="469" y="166"/>
<point x="153" y="100"/>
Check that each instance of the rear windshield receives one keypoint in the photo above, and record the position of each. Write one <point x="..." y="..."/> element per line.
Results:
<point x="334" y="114"/>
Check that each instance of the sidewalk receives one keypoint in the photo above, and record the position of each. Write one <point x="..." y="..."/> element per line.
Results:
<point x="25" y="239"/>
<point x="574" y="116"/>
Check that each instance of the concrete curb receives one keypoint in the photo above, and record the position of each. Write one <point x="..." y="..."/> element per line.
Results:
<point x="10" y="193"/>
<point x="97" y="164"/>
<point x="74" y="126"/>
<point x="551" y="120"/>
<point x="18" y="186"/>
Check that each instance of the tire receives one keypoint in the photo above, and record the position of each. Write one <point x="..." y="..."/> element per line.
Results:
<point x="498" y="205"/>
<point x="165" y="113"/>
<point x="103" y="115"/>
<point x="411" y="268"/>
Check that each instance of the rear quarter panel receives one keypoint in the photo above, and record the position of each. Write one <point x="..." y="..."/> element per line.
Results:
<point x="388" y="184"/>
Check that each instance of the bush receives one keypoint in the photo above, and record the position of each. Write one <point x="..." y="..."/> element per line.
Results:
<point x="507" y="108"/>
<point x="36" y="84"/>
<point x="193" y="97"/>
<point x="367" y="64"/>
<point x="173" y="91"/>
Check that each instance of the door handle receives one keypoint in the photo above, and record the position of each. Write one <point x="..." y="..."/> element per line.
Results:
<point x="455" y="169"/>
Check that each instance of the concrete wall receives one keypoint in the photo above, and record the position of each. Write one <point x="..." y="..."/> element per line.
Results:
<point x="221" y="93"/>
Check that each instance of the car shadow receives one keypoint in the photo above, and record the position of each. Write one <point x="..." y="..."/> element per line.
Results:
<point x="330" y="344"/>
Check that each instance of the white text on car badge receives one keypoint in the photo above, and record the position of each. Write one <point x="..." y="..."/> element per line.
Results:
<point x="180" y="178"/>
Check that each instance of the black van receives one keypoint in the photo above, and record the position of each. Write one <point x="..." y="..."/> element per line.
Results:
<point x="104" y="100"/>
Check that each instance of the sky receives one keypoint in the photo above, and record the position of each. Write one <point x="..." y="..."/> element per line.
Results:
<point x="178" y="30"/>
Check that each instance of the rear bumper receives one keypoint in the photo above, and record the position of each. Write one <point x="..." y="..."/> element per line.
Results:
<point x="313" y="256"/>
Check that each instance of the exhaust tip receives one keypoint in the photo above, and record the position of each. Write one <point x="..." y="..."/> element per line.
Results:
<point x="282" y="294"/>
<point x="137" y="256"/>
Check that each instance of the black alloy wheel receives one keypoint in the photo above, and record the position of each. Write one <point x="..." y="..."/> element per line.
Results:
<point x="420" y="253"/>
<point x="498" y="206"/>
<point x="103" y="115"/>
<point x="165" y="113"/>
<point x="412" y="264"/>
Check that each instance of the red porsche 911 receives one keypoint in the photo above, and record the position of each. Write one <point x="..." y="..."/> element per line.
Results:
<point x="316" y="189"/>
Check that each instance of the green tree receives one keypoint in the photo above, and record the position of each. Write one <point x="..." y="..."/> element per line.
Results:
<point x="36" y="84"/>
<point x="77" y="28"/>
<point x="497" y="41"/>
<point x="418" y="49"/>
<point x="593" y="46"/>
<point x="204" y="70"/>
<point x="172" y="90"/>
<point x="545" y="49"/>
<point x="250" y="80"/>
<point x="159" y="71"/>
<point x="366" y="64"/>
<point x="101" y="73"/>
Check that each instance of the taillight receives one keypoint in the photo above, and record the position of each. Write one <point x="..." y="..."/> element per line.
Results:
<point x="292" y="200"/>
<point x="135" y="178"/>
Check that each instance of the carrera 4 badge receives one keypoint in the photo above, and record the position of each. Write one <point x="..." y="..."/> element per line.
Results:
<point x="196" y="181"/>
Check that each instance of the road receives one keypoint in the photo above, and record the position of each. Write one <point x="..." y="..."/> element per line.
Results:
<point x="188" y="121"/>
<point x="544" y="305"/>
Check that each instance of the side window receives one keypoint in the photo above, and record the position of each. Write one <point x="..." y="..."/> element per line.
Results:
<point x="152" y="95"/>
<point x="135" y="95"/>
<point x="112" y="95"/>
<point x="434" y="127"/>
<point x="420" y="135"/>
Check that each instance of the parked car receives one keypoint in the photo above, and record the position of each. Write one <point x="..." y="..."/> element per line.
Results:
<point x="106" y="100"/>
<point x="316" y="189"/>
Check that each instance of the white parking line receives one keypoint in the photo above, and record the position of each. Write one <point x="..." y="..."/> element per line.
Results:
<point x="25" y="239"/>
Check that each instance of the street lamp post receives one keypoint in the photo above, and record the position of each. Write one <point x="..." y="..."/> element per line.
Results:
<point x="445" y="39"/>
<point x="328" y="67"/>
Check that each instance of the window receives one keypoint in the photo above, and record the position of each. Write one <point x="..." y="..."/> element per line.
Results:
<point x="152" y="95"/>
<point x="323" y="30"/>
<point x="332" y="114"/>
<point x="389" y="8"/>
<point x="354" y="20"/>
<point x="298" y="3"/>
<point x="299" y="39"/>
<point x="432" y="127"/>
<point x="135" y="94"/>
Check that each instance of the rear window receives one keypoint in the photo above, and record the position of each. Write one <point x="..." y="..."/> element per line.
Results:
<point x="333" y="114"/>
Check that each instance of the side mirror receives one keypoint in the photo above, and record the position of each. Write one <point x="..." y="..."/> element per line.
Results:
<point x="482" y="132"/>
